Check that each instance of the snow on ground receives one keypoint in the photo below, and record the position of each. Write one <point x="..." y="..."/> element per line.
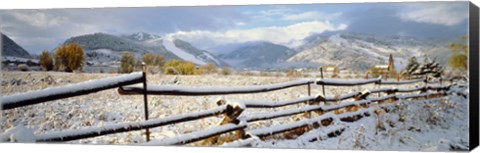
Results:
<point x="18" y="59"/>
<point x="426" y="125"/>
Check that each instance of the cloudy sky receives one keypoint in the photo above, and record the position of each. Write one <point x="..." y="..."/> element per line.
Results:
<point x="208" y="26"/>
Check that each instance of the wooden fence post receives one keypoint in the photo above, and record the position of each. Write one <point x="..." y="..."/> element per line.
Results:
<point x="309" y="89"/>
<point x="145" y="99"/>
<point x="323" y="86"/>
<point x="229" y="116"/>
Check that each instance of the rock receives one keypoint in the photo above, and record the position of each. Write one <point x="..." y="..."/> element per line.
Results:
<point x="4" y="83"/>
<point x="18" y="82"/>
<point x="23" y="67"/>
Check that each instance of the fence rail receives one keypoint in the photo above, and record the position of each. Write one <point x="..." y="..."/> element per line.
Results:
<point x="204" y="91"/>
<point x="233" y="119"/>
<point x="126" y="127"/>
<point x="55" y="93"/>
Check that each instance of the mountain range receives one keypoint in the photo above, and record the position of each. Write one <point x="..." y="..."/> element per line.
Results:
<point x="356" y="51"/>
<point x="362" y="51"/>
<point x="102" y="48"/>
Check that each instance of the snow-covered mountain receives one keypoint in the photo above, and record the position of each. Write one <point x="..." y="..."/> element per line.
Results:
<point x="350" y="50"/>
<point x="260" y="54"/>
<point x="186" y="51"/>
<point x="362" y="51"/>
<point x="12" y="49"/>
<point x="141" y="36"/>
<point x="106" y="49"/>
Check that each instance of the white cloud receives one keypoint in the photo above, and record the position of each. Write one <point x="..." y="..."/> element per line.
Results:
<point x="291" y="35"/>
<point x="277" y="11"/>
<point x="240" y="23"/>
<point x="38" y="19"/>
<point x="312" y="15"/>
<point x="448" y="14"/>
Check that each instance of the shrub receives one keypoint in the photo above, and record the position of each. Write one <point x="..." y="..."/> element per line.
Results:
<point x="69" y="57"/>
<point x="187" y="68"/>
<point x="458" y="61"/>
<point x="46" y="61"/>
<point x="153" y="61"/>
<point x="159" y="60"/>
<point x="459" y="57"/>
<point x="148" y="58"/>
<point x="176" y="66"/>
<point x="171" y="71"/>
<point x="226" y="71"/>
<point x="138" y="65"/>
<point x="293" y="73"/>
<point x="207" y="69"/>
<point x="127" y="62"/>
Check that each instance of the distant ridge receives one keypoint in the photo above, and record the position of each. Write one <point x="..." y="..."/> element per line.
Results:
<point x="11" y="48"/>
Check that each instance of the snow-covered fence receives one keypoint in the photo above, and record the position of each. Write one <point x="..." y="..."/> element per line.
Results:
<point x="55" y="93"/>
<point x="336" y="82"/>
<point x="69" y="135"/>
<point x="232" y="112"/>
<point x="401" y="82"/>
<point x="327" y="111"/>
<point x="204" y="91"/>
<point x="199" y="135"/>
<point x="326" y="108"/>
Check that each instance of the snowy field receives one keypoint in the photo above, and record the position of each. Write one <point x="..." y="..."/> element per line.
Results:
<point x="439" y="124"/>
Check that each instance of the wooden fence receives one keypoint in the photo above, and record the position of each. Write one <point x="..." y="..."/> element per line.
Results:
<point x="233" y="119"/>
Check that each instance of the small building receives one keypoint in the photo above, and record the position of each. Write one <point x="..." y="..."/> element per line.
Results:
<point x="384" y="70"/>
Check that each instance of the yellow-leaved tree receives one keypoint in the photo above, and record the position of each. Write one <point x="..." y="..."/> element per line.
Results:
<point x="46" y="60"/>
<point x="207" y="69"/>
<point x="153" y="61"/>
<point x="176" y="66"/>
<point x="127" y="62"/>
<point x="69" y="57"/>
<point x="459" y="57"/>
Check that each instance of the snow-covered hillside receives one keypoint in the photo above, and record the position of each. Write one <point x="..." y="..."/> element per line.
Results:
<point x="363" y="51"/>
<point x="186" y="51"/>
<point x="170" y="46"/>
<point x="104" y="49"/>
<point x="141" y="36"/>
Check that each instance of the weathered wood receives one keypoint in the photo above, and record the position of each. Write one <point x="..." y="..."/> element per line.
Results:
<point x="200" y="135"/>
<point x="347" y="83"/>
<point x="229" y="116"/>
<point x="145" y="98"/>
<point x="267" y="104"/>
<point x="308" y="89"/>
<point x="323" y="86"/>
<point x="204" y="91"/>
<point x="125" y="127"/>
<point x="55" y="93"/>
<point x="400" y="82"/>
<point x="283" y="113"/>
